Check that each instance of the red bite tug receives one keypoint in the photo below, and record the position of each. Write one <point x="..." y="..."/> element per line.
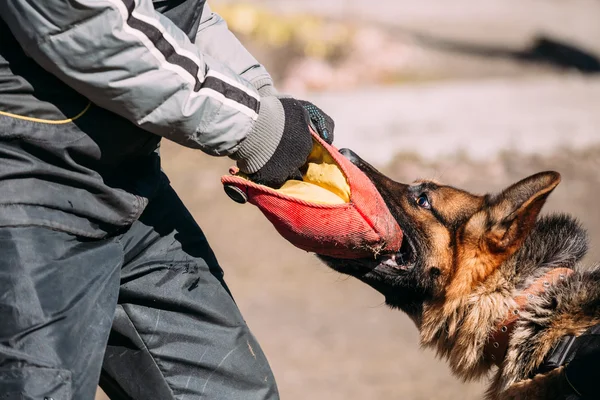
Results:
<point x="359" y="227"/>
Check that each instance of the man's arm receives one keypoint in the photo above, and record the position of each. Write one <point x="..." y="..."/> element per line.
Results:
<point x="216" y="40"/>
<point x="129" y="59"/>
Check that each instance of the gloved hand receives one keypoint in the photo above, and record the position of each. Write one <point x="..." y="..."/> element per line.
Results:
<point x="280" y="141"/>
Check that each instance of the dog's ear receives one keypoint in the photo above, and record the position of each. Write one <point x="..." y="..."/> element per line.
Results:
<point x="498" y="229"/>
<point x="512" y="214"/>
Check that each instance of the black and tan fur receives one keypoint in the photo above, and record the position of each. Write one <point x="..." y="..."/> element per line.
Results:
<point x="463" y="260"/>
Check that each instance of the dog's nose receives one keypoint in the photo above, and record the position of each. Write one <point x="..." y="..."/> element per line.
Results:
<point x="351" y="156"/>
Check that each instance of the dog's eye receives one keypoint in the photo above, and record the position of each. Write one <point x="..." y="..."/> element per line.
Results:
<point x="423" y="201"/>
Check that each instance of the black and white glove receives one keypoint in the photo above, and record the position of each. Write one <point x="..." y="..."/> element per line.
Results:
<point x="280" y="141"/>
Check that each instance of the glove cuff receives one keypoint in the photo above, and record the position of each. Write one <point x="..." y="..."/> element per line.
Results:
<point x="265" y="87"/>
<point x="262" y="141"/>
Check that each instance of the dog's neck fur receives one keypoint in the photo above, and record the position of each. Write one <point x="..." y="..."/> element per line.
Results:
<point x="458" y="330"/>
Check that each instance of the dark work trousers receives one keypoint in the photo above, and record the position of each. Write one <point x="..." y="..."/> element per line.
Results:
<point x="146" y="312"/>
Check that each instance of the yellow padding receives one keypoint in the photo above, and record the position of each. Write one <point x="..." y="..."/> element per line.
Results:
<point x="323" y="182"/>
<point x="309" y="192"/>
<point x="47" y="121"/>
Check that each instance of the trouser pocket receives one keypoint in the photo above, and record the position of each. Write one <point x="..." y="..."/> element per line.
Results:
<point x="34" y="383"/>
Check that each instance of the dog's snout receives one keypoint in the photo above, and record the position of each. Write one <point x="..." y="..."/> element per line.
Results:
<point x="351" y="156"/>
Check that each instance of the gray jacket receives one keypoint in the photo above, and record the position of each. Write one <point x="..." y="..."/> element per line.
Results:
<point x="88" y="87"/>
<point x="129" y="59"/>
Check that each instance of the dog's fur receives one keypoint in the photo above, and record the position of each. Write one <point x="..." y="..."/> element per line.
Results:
<point x="466" y="257"/>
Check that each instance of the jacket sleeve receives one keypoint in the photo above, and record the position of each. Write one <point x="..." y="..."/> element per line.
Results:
<point x="216" y="40"/>
<point x="129" y="59"/>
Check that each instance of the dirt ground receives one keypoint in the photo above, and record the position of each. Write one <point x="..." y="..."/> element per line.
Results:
<point x="330" y="337"/>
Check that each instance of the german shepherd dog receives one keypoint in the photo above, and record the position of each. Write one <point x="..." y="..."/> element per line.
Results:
<point x="486" y="281"/>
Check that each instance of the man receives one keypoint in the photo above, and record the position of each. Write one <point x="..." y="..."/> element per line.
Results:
<point x="93" y="240"/>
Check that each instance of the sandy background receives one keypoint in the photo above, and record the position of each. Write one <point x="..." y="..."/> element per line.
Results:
<point x="475" y="122"/>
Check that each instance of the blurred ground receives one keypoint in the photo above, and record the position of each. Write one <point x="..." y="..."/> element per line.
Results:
<point x="531" y="115"/>
<point x="418" y="111"/>
<point x="487" y="21"/>
<point x="341" y="44"/>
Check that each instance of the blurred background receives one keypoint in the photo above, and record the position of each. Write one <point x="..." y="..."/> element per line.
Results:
<point x="477" y="94"/>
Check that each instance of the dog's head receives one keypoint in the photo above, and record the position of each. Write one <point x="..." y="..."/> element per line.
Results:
<point x="453" y="240"/>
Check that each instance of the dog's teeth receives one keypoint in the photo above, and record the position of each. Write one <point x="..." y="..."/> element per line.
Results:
<point x="390" y="261"/>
